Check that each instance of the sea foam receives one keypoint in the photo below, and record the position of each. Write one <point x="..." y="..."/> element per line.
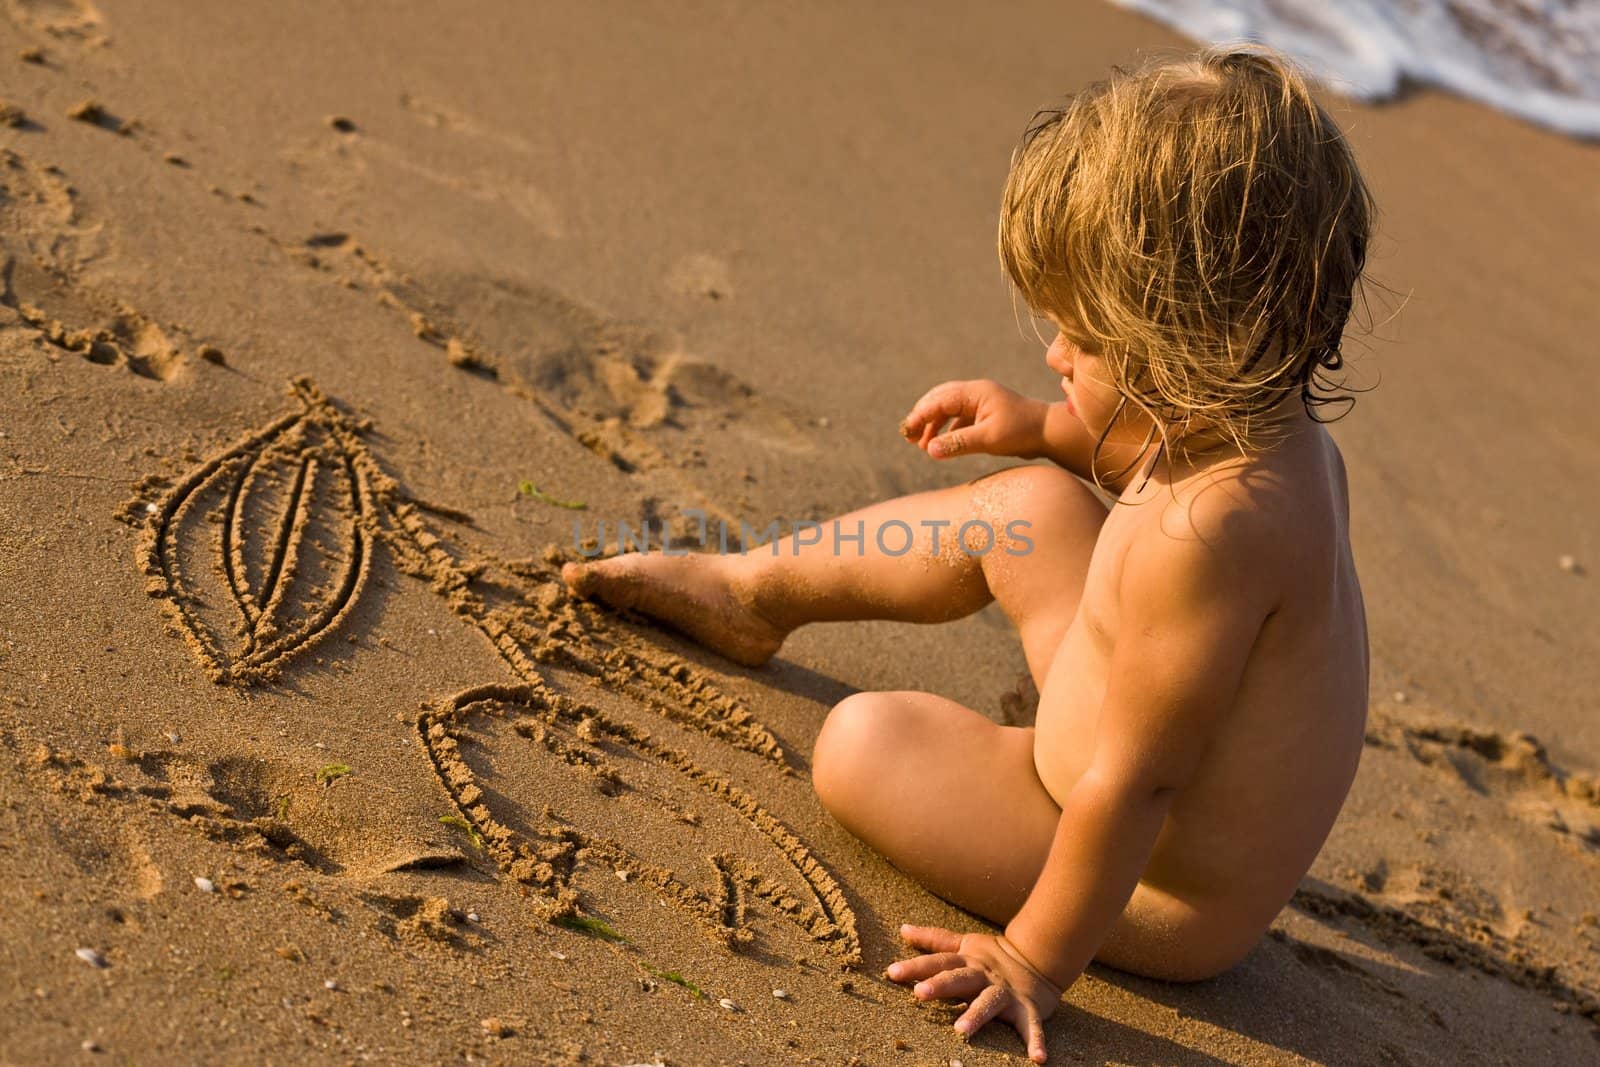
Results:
<point x="1537" y="59"/>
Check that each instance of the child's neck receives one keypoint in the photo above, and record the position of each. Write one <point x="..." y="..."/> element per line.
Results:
<point x="1206" y="447"/>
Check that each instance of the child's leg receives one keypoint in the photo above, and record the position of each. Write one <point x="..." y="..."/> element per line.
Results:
<point x="946" y="795"/>
<point x="744" y="606"/>
<point x="953" y="800"/>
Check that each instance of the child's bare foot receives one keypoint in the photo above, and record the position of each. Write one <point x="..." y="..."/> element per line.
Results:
<point x="693" y="594"/>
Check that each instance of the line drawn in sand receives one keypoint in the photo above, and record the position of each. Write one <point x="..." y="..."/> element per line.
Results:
<point x="265" y="548"/>
<point x="617" y="760"/>
<point x="285" y="504"/>
<point x="282" y="525"/>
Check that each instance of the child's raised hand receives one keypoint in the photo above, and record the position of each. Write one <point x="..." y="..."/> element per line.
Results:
<point x="958" y="418"/>
<point x="993" y="977"/>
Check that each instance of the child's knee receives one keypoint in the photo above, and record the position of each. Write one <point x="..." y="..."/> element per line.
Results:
<point x="1042" y="495"/>
<point x="1023" y="503"/>
<point x="853" y="730"/>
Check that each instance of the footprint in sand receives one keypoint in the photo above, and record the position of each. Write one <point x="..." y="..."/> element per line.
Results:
<point x="69" y="20"/>
<point x="438" y="116"/>
<point x="352" y="164"/>
<point x="632" y="394"/>
<point x="285" y="810"/>
<point x="1513" y="768"/>
<point x="45" y="243"/>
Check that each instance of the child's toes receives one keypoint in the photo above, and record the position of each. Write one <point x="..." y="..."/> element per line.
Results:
<point x="576" y="576"/>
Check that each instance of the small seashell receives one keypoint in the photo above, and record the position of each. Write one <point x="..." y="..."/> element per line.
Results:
<point x="173" y="737"/>
<point x="558" y="955"/>
<point x="91" y="1045"/>
<point x="205" y="885"/>
<point x="622" y="876"/>
<point x="728" y="1004"/>
<point x="781" y="994"/>
<point x="472" y="917"/>
<point x="1569" y="564"/>
<point x="330" y="984"/>
<point x="92" y="958"/>
<point x="149" y="509"/>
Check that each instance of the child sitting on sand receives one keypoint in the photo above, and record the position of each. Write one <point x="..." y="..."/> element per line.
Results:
<point x="1195" y="232"/>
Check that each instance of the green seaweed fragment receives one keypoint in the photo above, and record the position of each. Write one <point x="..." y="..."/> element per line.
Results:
<point x="332" y="771"/>
<point x="586" y="925"/>
<point x="529" y="489"/>
<point x="675" y="978"/>
<point x="465" y="827"/>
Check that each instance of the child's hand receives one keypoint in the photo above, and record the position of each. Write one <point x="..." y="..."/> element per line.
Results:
<point x="984" y="416"/>
<point x="988" y="973"/>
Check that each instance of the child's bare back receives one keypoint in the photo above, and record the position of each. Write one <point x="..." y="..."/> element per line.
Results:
<point x="1194" y="232"/>
<point x="1286" y="732"/>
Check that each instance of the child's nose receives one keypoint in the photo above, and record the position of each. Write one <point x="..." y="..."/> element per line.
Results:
<point x="1057" y="359"/>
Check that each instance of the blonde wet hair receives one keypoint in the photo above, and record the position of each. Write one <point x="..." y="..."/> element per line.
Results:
<point x="1201" y="225"/>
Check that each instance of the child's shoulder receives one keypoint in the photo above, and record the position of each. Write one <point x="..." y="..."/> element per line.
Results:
<point x="1255" y="514"/>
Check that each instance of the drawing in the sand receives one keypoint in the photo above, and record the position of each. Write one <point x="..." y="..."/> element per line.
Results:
<point x="265" y="548"/>
<point x="261" y="551"/>
<point x="636" y="773"/>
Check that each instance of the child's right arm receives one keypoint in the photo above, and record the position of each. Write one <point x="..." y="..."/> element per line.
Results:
<point x="973" y="417"/>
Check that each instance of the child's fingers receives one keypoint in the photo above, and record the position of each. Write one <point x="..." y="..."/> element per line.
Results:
<point x="919" y="967"/>
<point x="964" y="439"/>
<point x="950" y="444"/>
<point x="962" y="983"/>
<point x="935" y="426"/>
<point x="930" y="938"/>
<point x="942" y="402"/>
<point x="1025" y="1020"/>
<point x="990" y="1003"/>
